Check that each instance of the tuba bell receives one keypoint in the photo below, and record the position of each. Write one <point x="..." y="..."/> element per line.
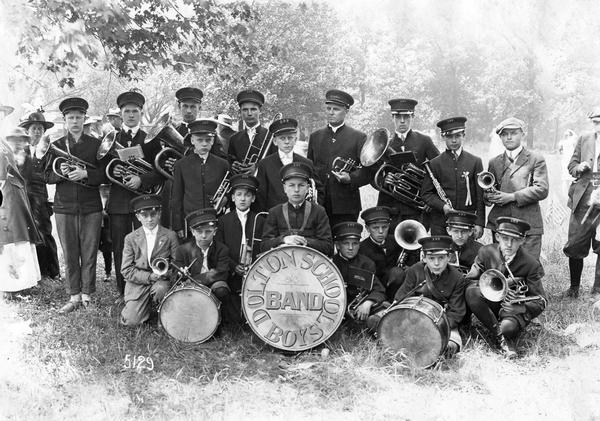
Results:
<point x="172" y="142"/>
<point x="132" y="167"/>
<point x="486" y="181"/>
<point x="407" y="235"/>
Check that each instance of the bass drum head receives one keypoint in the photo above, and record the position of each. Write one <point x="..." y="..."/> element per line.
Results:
<point x="414" y="333"/>
<point x="189" y="315"/>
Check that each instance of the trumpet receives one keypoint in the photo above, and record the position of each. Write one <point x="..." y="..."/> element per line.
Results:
<point x="255" y="153"/>
<point x="73" y="162"/>
<point x="348" y="165"/>
<point x="407" y="235"/>
<point x="132" y="167"/>
<point x="160" y="266"/>
<point x="494" y="287"/>
<point x="172" y="142"/>
<point x="486" y="181"/>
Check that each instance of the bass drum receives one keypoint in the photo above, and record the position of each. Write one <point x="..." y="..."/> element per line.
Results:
<point x="293" y="298"/>
<point x="418" y="328"/>
<point x="190" y="313"/>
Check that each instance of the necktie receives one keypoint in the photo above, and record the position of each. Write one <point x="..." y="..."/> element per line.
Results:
<point x="129" y="137"/>
<point x="510" y="158"/>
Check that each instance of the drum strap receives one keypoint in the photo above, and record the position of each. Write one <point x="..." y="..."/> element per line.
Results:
<point x="286" y="216"/>
<point x="433" y="289"/>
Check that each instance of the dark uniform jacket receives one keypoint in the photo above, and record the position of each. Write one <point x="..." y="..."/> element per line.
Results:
<point x="119" y="197"/>
<point x="423" y="148"/>
<point x="451" y="175"/>
<point x="377" y="294"/>
<point x="71" y="197"/>
<point x="194" y="183"/>
<point x="270" y="188"/>
<point x="16" y="218"/>
<point x="527" y="178"/>
<point x="466" y="254"/>
<point x="523" y="266"/>
<point x="136" y="266"/>
<point x="239" y="143"/>
<point x="317" y="231"/>
<point x="322" y="150"/>
<point x="218" y="259"/>
<point x="450" y="284"/>
<point x="229" y="232"/>
<point x="32" y="172"/>
<point x="384" y="257"/>
<point x="585" y="150"/>
<point x="216" y="149"/>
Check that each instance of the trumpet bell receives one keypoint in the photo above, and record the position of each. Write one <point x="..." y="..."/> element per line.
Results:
<point x="408" y="233"/>
<point x="486" y="180"/>
<point x="493" y="285"/>
<point x="375" y="147"/>
<point x="160" y="266"/>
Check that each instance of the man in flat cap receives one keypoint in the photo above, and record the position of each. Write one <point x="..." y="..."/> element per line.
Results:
<point x="521" y="183"/>
<point x="405" y="139"/>
<point x="197" y="176"/>
<point x="506" y="319"/>
<point x="456" y="172"/>
<point x="189" y="102"/>
<point x="270" y="190"/>
<point x="131" y="135"/>
<point x="297" y="221"/>
<point x="143" y="285"/>
<point x="337" y="139"/>
<point x="584" y="204"/>
<point x="252" y="135"/>
<point x="77" y="203"/>
<point x="32" y="171"/>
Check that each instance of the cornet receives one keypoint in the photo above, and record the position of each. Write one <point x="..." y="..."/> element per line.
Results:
<point x="486" y="181"/>
<point x="494" y="287"/>
<point x="160" y="266"/>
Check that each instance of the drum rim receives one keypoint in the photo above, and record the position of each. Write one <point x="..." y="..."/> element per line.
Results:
<point x="210" y="295"/>
<point x="338" y="322"/>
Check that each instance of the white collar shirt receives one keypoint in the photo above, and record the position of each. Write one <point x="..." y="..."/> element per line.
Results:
<point x="286" y="158"/>
<point x="150" y="240"/>
<point x="243" y="217"/>
<point x="514" y="153"/>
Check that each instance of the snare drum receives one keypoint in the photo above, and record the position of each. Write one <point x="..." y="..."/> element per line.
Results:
<point x="417" y="327"/>
<point x="190" y="313"/>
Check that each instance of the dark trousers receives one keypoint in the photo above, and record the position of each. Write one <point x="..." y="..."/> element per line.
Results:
<point x="47" y="252"/>
<point x="105" y="246"/>
<point x="79" y="237"/>
<point x="120" y="226"/>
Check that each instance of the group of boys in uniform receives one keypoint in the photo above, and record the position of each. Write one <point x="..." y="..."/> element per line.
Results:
<point x="214" y="248"/>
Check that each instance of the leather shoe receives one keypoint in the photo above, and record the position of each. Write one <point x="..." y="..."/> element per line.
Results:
<point x="572" y="292"/>
<point x="70" y="307"/>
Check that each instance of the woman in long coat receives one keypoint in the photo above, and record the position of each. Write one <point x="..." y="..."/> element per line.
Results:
<point x="18" y="233"/>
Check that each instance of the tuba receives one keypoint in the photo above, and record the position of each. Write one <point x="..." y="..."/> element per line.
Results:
<point x="494" y="287"/>
<point x="407" y="235"/>
<point x="255" y="153"/>
<point x="173" y="147"/>
<point x="132" y="167"/>
<point x="486" y="181"/>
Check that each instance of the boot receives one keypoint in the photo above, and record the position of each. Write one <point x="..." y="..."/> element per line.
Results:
<point x="502" y="344"/>
<point x="575" y="269"/>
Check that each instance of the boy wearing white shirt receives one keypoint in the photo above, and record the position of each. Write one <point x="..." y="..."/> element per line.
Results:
<point x="270" y="189"/>
<point x="142" y="247"/>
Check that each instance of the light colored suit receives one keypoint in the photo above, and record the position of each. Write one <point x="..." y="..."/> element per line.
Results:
<point x="585" y="150"/>
<point x="136" y="271"/>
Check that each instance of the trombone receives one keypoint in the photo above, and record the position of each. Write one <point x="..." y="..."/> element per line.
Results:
<point x="247" y="247"/>
<point x="132" y="167"/>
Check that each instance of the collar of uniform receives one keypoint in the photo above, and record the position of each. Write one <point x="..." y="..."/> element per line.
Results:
<point x="134" y="130"/>
<point x="402" y="136"/>
<point x="458" y="152"/>
<point x="289" y="156"/>
<point x="204" y="157"/>
<point x="148" y="232"/>
<point x="71" y="138"/>
<point x="242" y="214"/>
<point x="514" y="153"/>
<point x="205" y="251"/>
<point x="296" y="207"/>
<point x="336" y="128"/>
<point x="255" y="127"/>
<point x="382" y="244"/>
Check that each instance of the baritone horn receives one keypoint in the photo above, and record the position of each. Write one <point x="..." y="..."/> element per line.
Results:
<point x="407" y="235"/>
<point x="372" y="150"/>
<point x="172" y="144"/>
<point x="65" y="157"/>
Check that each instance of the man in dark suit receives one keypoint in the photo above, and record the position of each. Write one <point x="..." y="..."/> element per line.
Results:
<point x="460" y="225"/>
<point x="189" y="102"/>
<point x="77" y="205"/>
<point x="253" y="134"/>
<point x="270" y="189"/>
<point x="405" y="140"/>
<point x="121" y="219"/>
<point x="505" y="320"/>
<point x="521" y="183"/>
<point x="456" y="172"/>
<point x="337" y="139"/>
<point x="197" y="177"/>
<point x="297" y="221"/>
<point x="583" y="166"/>
<point x="142" y="246"/>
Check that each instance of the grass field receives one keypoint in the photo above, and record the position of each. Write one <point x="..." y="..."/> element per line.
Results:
<point x="85" y="366"/>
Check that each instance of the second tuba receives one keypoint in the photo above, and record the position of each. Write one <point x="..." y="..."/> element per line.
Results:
<point x="172" y="144"/>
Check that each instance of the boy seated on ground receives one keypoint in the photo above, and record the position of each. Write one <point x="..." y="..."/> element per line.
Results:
<point x="506" y="320"/>
<point x="460" y="226"/>
<point x="298" y="221"/>
<point x="142" y="246"/>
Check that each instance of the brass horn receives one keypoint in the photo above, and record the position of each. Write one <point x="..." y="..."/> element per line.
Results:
<point x="65" y="157"/>
<point x="407" y="235"/>
<point x="173" y="147"/>
<point x="486" y="181"/>
<point x="371" y="152"/>
<point x="493" y="285"/>
<point x="160" y="266"/>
